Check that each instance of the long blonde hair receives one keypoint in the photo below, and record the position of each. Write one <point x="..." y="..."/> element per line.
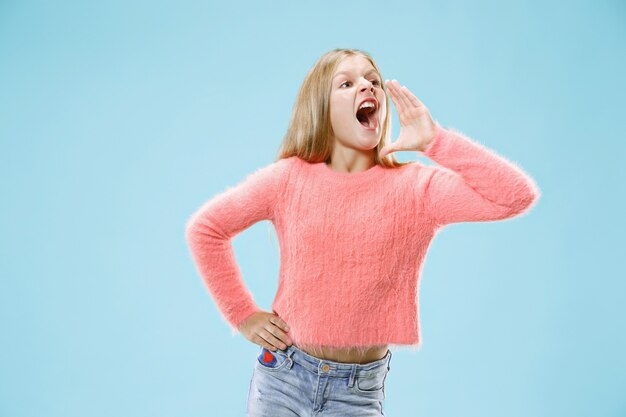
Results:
<point x="309" y="133"/>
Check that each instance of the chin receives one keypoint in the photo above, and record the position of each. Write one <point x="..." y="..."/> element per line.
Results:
<point x="369" y="138"/>
<point x="367" y="144"/>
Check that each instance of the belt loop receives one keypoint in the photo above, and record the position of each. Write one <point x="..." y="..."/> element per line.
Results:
<point x="389" y="360"/>
<point x="352" y="374"/>
<point x="290" y="357"/>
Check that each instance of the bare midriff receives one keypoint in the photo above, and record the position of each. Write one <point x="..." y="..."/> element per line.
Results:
<point x="360" y="355"/>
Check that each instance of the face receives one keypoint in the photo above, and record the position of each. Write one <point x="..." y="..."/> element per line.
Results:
<point x="354" y="80"/>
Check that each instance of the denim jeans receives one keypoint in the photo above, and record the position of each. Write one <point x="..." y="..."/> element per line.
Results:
<point x="292" y="383"/>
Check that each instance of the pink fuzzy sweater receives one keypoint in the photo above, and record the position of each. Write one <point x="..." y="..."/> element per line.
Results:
<point x="352" y="245"/>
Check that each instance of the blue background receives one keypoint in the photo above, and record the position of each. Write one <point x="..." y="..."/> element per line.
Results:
<point x="119" y="119"/>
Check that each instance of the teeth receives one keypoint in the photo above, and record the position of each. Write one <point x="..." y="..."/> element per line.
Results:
<point x="367" y="104"/>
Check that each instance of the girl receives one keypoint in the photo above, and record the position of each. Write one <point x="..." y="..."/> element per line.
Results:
<point x="354" y="226"/>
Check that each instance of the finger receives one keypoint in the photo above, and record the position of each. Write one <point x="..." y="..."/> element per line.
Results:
<point x="278" y="333"/>
<point x="402" y="98"/>
<point x="412" y="98"/>
<point x="266" y="340"/>
<point x="271" y="338"/>
<point x="402" y="93"/>
<point x="393" y="93"/>
<point x="279" y="322"/>
<point x="263" y="343"/>
<point x="280" y="327"/>
<point x="388" y="89"/>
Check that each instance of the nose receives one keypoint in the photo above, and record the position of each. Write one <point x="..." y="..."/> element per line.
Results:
<point x="368" y="86"/>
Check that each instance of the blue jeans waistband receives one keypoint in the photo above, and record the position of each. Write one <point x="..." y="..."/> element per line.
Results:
<point x="337" y="369"/>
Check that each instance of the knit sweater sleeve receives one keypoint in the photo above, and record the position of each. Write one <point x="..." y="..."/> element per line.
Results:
<point x="473" y="183"/>
<point x="210" y="230"/>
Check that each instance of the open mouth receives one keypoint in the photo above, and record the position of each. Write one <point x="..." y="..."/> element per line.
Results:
<point x="368" y="117"/>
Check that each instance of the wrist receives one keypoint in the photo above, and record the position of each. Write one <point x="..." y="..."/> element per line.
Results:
<point x="436" y="131"/>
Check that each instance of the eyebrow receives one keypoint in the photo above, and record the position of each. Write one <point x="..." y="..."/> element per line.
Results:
<point x="347" y="72"/>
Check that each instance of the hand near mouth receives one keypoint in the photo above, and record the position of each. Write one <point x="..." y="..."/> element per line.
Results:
<point x="417" y="127"/>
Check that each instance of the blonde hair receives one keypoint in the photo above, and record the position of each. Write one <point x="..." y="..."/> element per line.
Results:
<point x="309" y="133"/>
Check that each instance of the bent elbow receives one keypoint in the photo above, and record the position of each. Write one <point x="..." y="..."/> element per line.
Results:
<point x="526" y="202"/>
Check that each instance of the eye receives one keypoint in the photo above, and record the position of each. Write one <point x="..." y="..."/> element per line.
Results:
<point x="375" y="82"/>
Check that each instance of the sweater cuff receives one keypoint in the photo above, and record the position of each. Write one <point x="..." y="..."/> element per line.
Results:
<point x="243" y="316"/>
